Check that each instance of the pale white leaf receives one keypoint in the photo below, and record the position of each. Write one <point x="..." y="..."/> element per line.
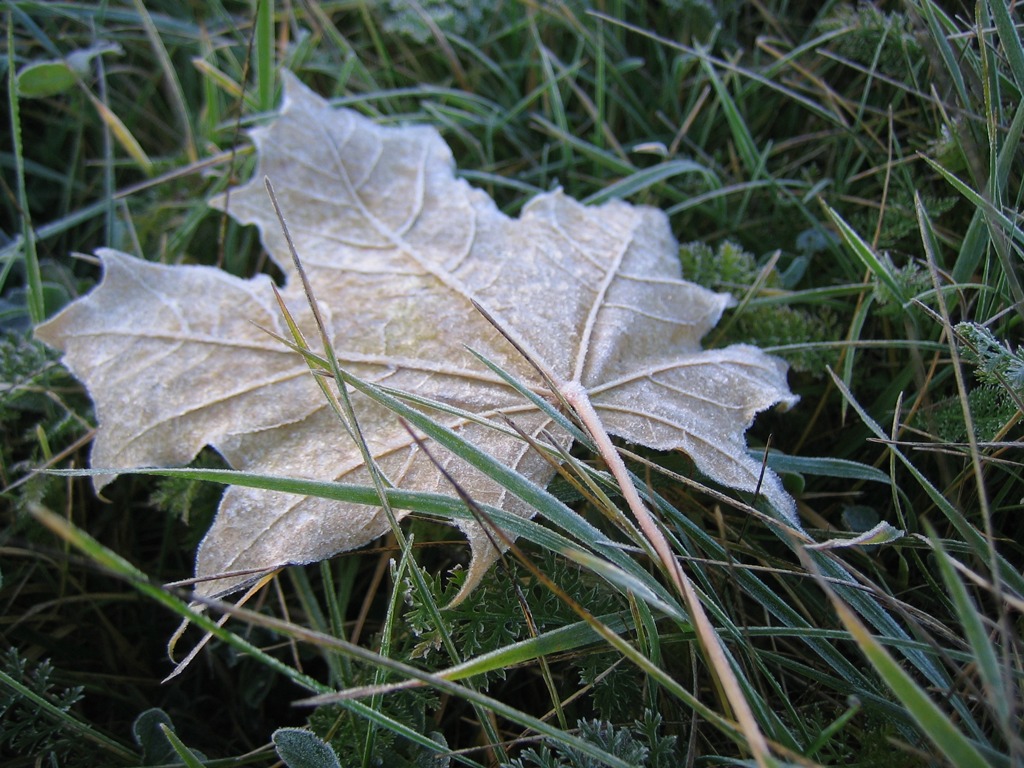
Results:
<point x="400" y="254"/>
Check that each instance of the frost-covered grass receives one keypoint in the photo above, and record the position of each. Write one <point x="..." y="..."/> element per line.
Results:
<point x="852" y="176"/>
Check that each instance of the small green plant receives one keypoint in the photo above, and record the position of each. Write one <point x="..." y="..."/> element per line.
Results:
<point x="802" y="336"/>
<point x="32" y="715"/>
<point x="641" y="745"/>
<point x="995" y="362"/>
<point x="40" y="412"/>
<point x="875" y="39"/>
<point x="155" y="736"/>
<point x="419" y="20"/>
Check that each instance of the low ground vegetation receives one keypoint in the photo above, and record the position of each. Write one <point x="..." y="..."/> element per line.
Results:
<point x="851" y="173"/>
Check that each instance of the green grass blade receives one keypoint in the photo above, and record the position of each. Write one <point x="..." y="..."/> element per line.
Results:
<point x="586" y="537"/>
<point x="753" y="586"/>
<point x="1007" y="156"/>
<point x="627" y="583"/>
<point x="543" y="405"/>
<point x="844" y="583"/>
<point x="853" y="339"/>
<point x="744" y="141"/>
<point x="788" y="93"/>
<point x="824" y="466"/>
<point x="940" y="25"/>
<point x="973" y="538"/>
<point x="934" y="723"/>
<point x="387" y="633"/>
<point x="866" y="255"/>
<point x="570" y="637"/>
<point x="984" y="653"/>
<point x="646" y="178"/>
<point x="997" y="216"/>
<point x="1009" y="40"/>
<point x="265" y="55"/>
<point x="174" y="90"/>
<point x="972" y="249"/>
<point x="33" y="277"/>
<point x="188" y="758"/>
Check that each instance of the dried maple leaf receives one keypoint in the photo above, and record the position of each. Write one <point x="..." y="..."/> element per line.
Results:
<point x="402" y="257"/>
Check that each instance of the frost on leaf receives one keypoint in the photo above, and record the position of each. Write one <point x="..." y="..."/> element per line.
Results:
<point x="397" y="250"/>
